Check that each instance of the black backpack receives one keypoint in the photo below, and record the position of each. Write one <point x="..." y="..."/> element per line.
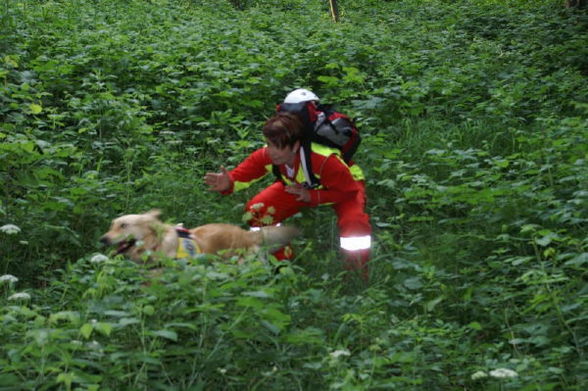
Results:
<point x="325" y="126"/>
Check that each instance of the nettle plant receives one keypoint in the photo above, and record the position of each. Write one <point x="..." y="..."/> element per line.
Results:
<point x="506" y="230"/>
<point x="121" y="326"/>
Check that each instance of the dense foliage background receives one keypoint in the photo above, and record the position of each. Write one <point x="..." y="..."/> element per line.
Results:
<point x="474" y="116"/>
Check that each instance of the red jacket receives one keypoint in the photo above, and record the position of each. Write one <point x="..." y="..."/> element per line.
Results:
<point x="337" y="181"/>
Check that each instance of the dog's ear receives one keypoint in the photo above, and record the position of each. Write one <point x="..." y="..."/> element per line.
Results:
<point x="155" y="213"/>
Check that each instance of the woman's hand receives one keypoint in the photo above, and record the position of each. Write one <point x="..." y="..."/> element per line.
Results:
<point x="300" y="191"/>
<point x="218" y="181"/>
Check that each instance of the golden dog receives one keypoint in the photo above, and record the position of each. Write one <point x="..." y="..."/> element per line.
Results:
<point x="144" y="237"/>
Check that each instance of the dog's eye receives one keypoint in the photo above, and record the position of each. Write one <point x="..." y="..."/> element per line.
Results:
<point x="123" y="225"/>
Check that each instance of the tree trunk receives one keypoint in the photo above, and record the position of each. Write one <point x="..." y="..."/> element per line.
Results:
<point x="334" y="10"/>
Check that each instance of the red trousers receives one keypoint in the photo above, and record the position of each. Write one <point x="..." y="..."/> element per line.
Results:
<point x="273" y="205"/>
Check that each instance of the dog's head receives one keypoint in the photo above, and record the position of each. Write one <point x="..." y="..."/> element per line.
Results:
<point x="128" y="231"/>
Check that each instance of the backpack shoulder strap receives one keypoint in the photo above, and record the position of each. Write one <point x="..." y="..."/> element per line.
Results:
<point x="312" y="181"/>
<point x="325" y="108"/>
<point x="277" y="173"/>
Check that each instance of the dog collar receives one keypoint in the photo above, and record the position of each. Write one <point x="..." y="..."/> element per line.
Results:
<point x="187" y="246"/>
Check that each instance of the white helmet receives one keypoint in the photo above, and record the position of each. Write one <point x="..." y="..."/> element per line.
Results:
<point x="300" y="95"/>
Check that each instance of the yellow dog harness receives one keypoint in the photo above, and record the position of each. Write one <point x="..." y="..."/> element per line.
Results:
<point x="187" y="246"/>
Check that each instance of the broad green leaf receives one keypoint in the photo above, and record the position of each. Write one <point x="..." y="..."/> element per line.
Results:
<point x="167" y="334"/>
<point x="328" y="80"/>
<point x="413" y="283"/>
<point x="35" y="108"/>
<point x="116" y="314"/>
<point x="579" y="260"/>
<point x="103" y="328"/>
<point x="431" y="304"/>
<point x="11" y="61"/>
<point x="250" y="302"/>
<point x="546" y="239"/>
<point x="148" y="310"/>
<point x="271" y="327"/>
<point x="86" y="330"/>
<point x="260" y="294"/>
<point x="66" y="378"/>
<point x="309" y="335"/>
<point x="128" y="321"/>
<point x="71" y="316"/>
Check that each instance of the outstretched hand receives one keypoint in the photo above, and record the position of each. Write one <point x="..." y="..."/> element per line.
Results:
<point x="299" y="191"/>
<point x="218" y="181"/>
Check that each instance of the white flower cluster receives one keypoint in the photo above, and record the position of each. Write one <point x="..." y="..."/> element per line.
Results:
<point x="10" y="229"/>
<point x="20" y="296"/>
<point x="499" y="373"/>
<point x="479" y="375"/>
<point x="9" y="278"/>
<point x="503" y="373"/>
<point x="339" y="353"/>
<point x="98" y="258"/>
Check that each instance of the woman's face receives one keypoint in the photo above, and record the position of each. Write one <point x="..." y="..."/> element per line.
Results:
<point x="286" y="155"/>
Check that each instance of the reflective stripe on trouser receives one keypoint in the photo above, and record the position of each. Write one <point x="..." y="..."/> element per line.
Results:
<point x="273" y="204"/>
<point x="354" y="243"/>
<point x="357" y="253"/>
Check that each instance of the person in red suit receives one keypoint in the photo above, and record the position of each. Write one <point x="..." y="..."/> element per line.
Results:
<point x="341" y="187"/>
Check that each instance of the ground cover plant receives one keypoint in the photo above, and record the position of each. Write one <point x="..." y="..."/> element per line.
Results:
<point x="474" y="116"/>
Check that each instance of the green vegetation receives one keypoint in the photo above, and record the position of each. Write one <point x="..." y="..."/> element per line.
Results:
<point x="475" y="121"/>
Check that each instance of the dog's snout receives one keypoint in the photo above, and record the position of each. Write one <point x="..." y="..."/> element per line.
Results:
<point x="105" y="240"/>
